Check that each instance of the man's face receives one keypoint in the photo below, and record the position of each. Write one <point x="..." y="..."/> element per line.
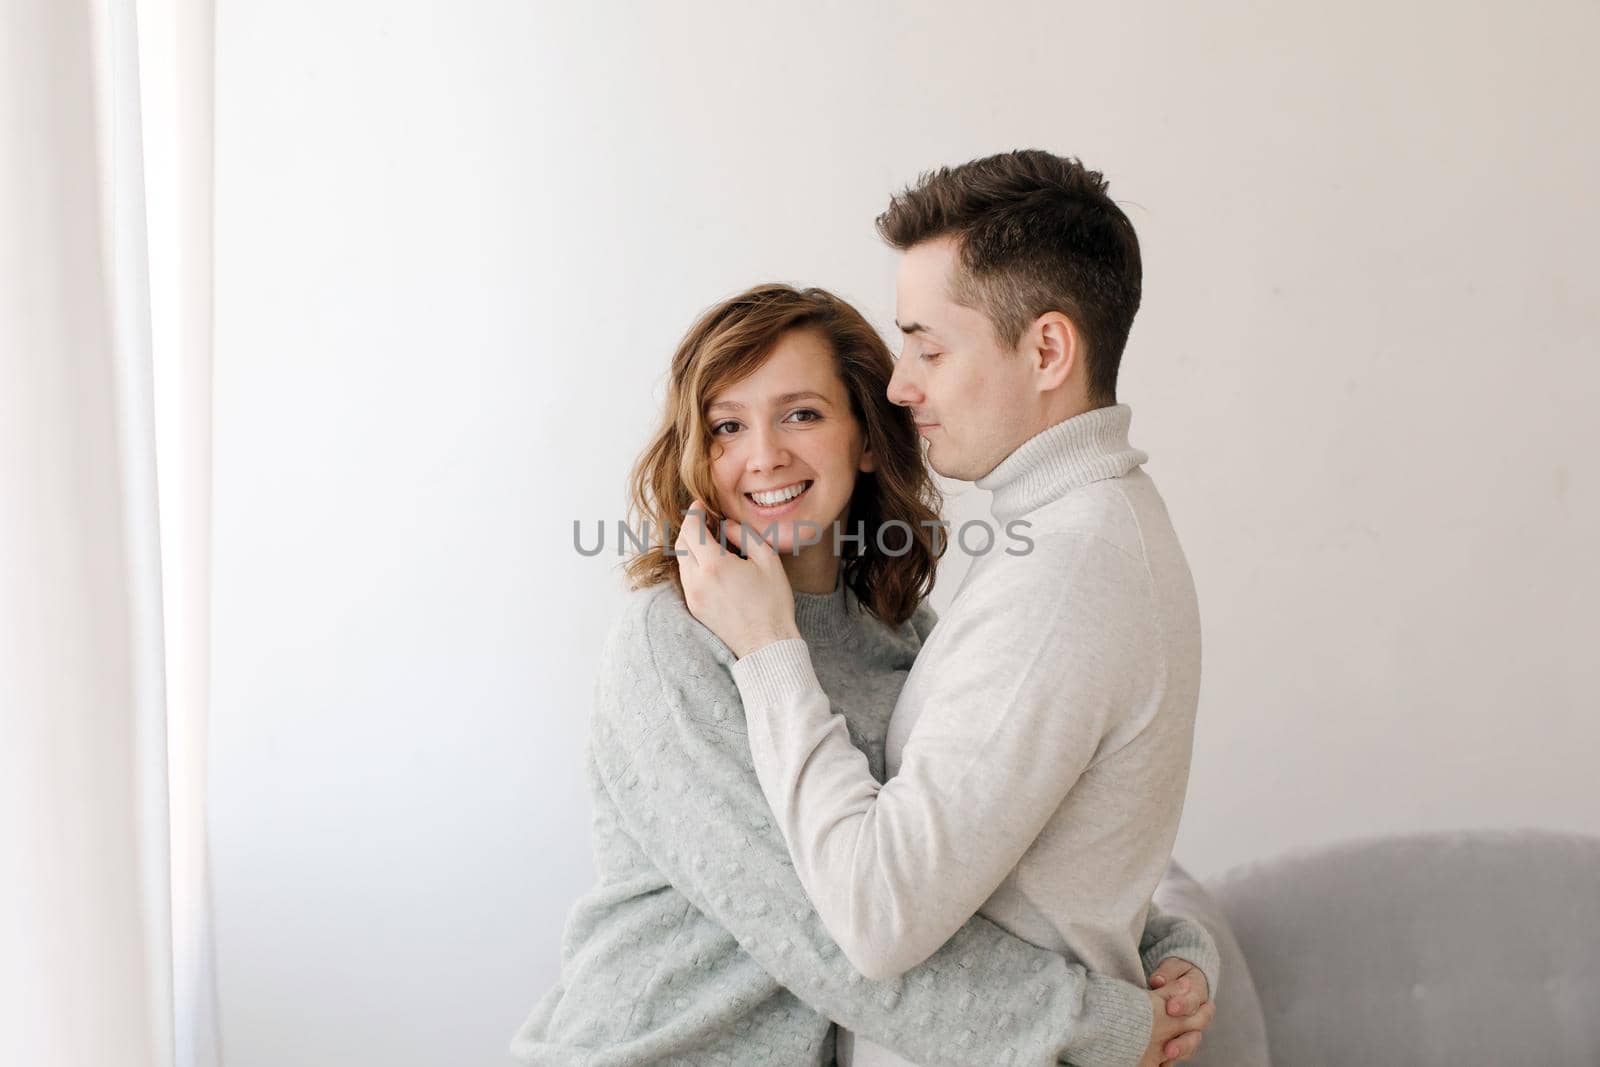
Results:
<point x="973" y="398"/>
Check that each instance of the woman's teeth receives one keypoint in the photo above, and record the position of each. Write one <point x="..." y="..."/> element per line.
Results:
<point x="781" y="496"/>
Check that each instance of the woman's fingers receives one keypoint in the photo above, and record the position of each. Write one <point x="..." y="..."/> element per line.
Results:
<point x="1171" y="969"/>
<point x="757" y="550"/>
<point x="1187" y="1043"/>
<point x="683" y="547"/>
<point x="1182" y="1000"/>
<point x="1181" y="1048"/>
<point x="1170" y="1028"/>
<point x="693" y="538"/>
<point x="1201" y="1019"/>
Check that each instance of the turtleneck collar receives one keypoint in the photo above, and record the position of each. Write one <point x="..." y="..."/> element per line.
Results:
<point x="823" y="617"/>
<point x="1069" y="455"/>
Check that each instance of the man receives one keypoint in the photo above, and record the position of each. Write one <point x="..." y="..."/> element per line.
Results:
<point x="1039" y="750"/>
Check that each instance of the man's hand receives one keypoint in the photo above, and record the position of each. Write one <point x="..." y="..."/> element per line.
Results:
<point x="1181" y="1001"/>
<point x="746" y="602"/>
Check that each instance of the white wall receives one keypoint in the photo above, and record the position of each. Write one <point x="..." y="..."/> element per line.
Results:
<point x="456" y="244"/>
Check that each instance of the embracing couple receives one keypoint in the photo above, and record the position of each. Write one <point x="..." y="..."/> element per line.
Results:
<point x="827" y="829"/>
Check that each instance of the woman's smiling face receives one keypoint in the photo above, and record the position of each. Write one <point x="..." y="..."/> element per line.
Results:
<point x="786" y="446"/>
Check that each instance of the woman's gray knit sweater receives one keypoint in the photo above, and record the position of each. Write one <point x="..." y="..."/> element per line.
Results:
<point x="698" y="944"/>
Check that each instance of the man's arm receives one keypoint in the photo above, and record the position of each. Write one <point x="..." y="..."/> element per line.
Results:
<point x="673" y="755"/>
<point x="1168" y="935"/>
<point x="1016" y="701"/>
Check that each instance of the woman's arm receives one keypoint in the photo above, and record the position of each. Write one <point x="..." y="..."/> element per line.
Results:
<point x="670" y="745"/>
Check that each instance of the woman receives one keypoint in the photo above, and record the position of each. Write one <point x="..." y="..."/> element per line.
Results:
<point x="698" y="944"/>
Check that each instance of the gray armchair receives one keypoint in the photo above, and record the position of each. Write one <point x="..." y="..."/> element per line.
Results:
<point x="1479" y="948"/>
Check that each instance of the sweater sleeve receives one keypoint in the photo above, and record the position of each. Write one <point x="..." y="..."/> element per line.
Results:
<point x="1175" y="934"/>
<point x="1032" y="686"/>
<point x="670" y="745"/>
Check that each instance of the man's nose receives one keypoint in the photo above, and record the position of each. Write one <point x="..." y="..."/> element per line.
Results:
<point x="902" y="389"/>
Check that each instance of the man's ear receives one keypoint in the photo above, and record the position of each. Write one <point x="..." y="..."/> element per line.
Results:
<point x="1057" y="348"/>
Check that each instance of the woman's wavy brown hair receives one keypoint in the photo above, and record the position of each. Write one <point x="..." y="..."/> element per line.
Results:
<point x="724" y="346"/>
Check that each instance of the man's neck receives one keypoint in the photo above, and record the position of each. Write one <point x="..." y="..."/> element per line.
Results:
<point x="1060" y="406"/>
<point x="1053" y="409"/>
<point x="1060" y="458"/>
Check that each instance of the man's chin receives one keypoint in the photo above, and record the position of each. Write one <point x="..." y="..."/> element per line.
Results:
<point x="965" y="468"/>
<point x="944" y="467"/>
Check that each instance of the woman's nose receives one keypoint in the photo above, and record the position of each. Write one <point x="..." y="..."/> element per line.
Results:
<point x="767" y="451"/>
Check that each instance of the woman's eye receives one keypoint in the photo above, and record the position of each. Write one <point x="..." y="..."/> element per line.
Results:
<point x="812" y="416"/>
<point x="717" y="429"/>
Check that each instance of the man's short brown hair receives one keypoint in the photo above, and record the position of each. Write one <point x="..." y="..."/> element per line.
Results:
<point x="1036" y="233"/>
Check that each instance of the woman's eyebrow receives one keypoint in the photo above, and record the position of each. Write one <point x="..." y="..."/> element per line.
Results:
<point x="786" y="398"/>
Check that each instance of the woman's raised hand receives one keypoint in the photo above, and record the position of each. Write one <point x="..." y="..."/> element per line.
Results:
<point x="745" y="602"/>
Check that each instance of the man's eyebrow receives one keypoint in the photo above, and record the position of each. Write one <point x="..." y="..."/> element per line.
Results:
<point x="911" y="327"/>
<point x="786" y="398"/>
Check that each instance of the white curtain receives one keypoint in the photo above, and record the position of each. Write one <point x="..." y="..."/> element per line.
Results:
<point x="105" y="349"/>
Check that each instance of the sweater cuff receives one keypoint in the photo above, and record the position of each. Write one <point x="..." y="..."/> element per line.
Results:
<point x="775" y="674"/>
<point x="1200" y="952"/>
<point x="1116" y="1027"/>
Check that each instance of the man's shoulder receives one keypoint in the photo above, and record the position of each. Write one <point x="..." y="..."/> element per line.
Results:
<point x="1124" y="512"/>
<point x="1081" y="554"/>
<point x="1099" y="509"/>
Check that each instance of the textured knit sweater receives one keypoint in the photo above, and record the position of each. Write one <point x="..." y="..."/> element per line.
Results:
<point x="1039" y="751"/>
<point x="698" y="945"/>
